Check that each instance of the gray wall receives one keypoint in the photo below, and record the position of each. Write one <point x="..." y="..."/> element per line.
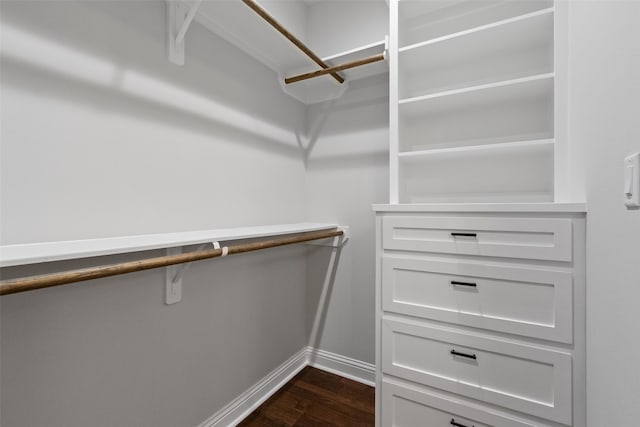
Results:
<point x="347" y="160"/>
<point x="347" y="171"/>
<point x="102" y="136"/>
<point x="605" y="107"/>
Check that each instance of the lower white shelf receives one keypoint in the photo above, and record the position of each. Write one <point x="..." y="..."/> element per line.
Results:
<point x="32" y="253"/>
<point x="512" y="172"/>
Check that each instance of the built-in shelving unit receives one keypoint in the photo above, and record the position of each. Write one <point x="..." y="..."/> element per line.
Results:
<point x="21" y="254"/>
<point x="475" y="105"/>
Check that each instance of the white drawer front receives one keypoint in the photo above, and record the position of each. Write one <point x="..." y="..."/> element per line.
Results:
<point x="516" y="376"/>
<point x="543" y="238"/>
<point x="404" y="406"/>
<point x="525" y="301"/>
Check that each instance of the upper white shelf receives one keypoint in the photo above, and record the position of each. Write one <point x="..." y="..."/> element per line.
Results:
<point x="518" y="32"/>
<point x="242" y="27"/>
<point x="425" y="20"/>
<point x="12" y="255"/>
<point x="538" y="86"/>
<point x="508" y="49"/>
<point x="321" y="89"/>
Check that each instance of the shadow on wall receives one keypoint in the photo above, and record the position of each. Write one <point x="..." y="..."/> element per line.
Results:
<point x="352" y="129"/>
<point x="42" y="66"/>
<point x="320" y="293"/>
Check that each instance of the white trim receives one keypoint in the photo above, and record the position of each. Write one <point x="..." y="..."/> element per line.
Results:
<point x="247" y="402"/>
<point x="346" y="367"/>
<point x="483" y="207"/>
<point x="251" y="399"/>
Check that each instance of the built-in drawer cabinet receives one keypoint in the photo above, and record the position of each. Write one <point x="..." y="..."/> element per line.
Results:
<point x="525" y="378"/>
<point x="528" y="301"/>
<point x="527" y="238"/>
<point x="407" y="406"/>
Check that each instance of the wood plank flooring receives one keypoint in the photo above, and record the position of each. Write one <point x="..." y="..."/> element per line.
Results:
<point x="317" y="398"/>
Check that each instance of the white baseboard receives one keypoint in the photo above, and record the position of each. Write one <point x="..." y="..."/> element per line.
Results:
<point x="341" y="365"/>
<point x="248" y="401"/>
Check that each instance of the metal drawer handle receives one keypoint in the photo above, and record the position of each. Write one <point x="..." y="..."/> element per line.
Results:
<point x="454" y="423"/>
<point x="455" y="282"/>
<point x="463" y="234"/>
<point x="469" y="356"/>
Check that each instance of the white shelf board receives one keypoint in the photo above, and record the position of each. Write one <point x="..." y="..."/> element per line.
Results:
<point x="12" y="255"/>
<point x="323" y="88"/>
<point x="426" y="20"/>
<point x="483" y="207"/>
<point x="512" y="49"/>
<point x="380" y="67"/>
<point x="527" y="29"/>
<point x="522" y="88"/>
<point x="468" y="149"/>
<point x="242" y="27"/>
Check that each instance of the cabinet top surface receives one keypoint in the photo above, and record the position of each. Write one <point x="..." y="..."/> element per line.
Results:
<point x="482" y="207"/>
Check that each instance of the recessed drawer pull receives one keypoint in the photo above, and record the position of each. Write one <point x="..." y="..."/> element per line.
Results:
<point x="454" y="423"/>
<point x="464" y="234"/>
<point x="469" y="356"/>
<point x="455" y="282"/>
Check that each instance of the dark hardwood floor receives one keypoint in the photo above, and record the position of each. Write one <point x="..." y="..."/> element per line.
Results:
<point x="316" y="398"/>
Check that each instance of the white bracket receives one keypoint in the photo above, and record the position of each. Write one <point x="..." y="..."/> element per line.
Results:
<point x="173" y="275"/>
<point x="179" y="18"/>
<point x="173" y="287"/>
<point x="632" y="181"/>
<point x="386" y="48"/>
<point x="333" y="242"/>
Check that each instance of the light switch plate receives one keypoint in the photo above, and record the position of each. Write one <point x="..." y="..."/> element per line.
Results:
<point x="632" y="181"/>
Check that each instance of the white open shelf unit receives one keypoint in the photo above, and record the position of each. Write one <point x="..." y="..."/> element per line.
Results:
<point x="476" y="101"/>
<point x="22" y="254"/>
<point x="242" y="27"/>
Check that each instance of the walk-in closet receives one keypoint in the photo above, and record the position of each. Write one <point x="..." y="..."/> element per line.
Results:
<point x="309" y="213"/>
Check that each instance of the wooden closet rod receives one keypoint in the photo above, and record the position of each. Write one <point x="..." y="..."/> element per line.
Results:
<point x="55" y="279"/>
<point x="293" y="39"/>
<point x="345" y="66"/>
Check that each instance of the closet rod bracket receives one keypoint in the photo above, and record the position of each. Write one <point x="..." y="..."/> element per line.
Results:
<point x="333" y="242"/>
<point x="173" y="274"/>
<point x="179" y="18"/>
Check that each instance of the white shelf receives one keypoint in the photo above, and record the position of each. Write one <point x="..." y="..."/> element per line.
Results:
<point x="503" y="112"/>
<point x="508" y="49"/>
<point x="324" y="88"/>
<point x="522" y="174"/>
<point x="360" y="52"/>
<point x="242" y="27"/>
<point x="12" y="255"/>
<point x="424" y="20"/>
<point x="472" y="149"/>
<point x="531" y="27"/>
<point x="526" y="87"/>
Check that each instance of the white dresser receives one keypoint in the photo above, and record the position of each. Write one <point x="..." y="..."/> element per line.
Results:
<point x="480" y="315"/>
